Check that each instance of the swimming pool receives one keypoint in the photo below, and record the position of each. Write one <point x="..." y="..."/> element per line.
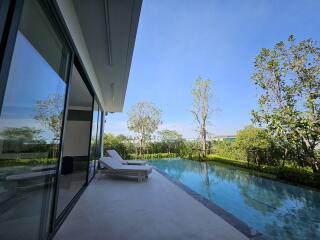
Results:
<point x="276" y="209"/>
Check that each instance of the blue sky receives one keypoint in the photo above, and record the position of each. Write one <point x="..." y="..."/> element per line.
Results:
<point x="180" y="40"/>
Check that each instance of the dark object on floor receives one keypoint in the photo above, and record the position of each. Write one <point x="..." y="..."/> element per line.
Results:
<point x="67" y="165"/>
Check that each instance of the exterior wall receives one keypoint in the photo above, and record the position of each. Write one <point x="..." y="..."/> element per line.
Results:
<point x="71" y="20"/>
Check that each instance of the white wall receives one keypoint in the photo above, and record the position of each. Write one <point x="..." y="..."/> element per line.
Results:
<point x="77" y="138"/>
<point x="71" y="19"/>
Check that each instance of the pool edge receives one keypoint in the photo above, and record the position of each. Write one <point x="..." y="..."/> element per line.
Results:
<point x="242" y="227"/>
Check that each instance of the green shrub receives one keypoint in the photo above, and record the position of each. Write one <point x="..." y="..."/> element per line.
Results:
<point x="293" y="174"/>
<point x="228" y="149"/>
<point x="152" y="156"/>
<point x="299" y="175"/>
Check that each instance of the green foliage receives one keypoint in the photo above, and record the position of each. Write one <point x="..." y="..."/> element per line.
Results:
<point x="122" y="144"/>
<point x="49" y="112"/>
<point x="170" y="141"/>
<point x="152" y="156"/>
<point x="289" y="106"/>
<point x="23" y="140"/>
<point x="257" y="145"/>
<point x="251" y="137"/>
<point x="27" y="162"/>
<point x="144" y="119"/>
<point x="228" y="149"/>
<point x="23" y="134"/>
<point x="289" y="173"/>
<point x="191" y="148"/>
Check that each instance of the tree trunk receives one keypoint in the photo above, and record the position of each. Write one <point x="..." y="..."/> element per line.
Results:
<point x="284" y="157"/>
<point x="204" y="141"/>
<point x="140" y="150"/>
<point x="315" y="166"/>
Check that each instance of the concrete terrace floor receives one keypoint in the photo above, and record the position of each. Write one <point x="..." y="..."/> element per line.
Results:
<point x="116" y="209"/>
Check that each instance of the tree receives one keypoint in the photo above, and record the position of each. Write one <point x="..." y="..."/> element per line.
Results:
<point x="171" y="139"/>
<point x="144" y="119"/>
<point x="22" y="134"/>
<point x="289" y="106"/>
<point x="22" y="139"/>
<point x="254" y="139"/>
<point x="121" y="143"/>
<point x="201" y="109"/>
<point x="49" y="112"/>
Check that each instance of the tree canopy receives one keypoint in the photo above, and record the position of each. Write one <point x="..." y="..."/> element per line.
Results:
<point x="288" y="76"/>
<point x="144" y="119"/>
<point x="252" y="137"/>
<point x="171" y="139"/>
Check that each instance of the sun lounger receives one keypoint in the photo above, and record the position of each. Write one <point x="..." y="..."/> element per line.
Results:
<point x="114" y="154"/>
<point x="114" y="167"/>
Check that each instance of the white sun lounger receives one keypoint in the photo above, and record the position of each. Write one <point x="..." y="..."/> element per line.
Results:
<point x="114" y="167"/>
<point x="114" y="154"/>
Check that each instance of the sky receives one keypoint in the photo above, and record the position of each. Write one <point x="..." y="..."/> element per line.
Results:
<point x="179" y="40"/>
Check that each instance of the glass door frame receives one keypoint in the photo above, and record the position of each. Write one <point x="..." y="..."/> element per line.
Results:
<point x="10" y="14"/>
<point x="58" y="220"/>
<point x="100" y="140"/>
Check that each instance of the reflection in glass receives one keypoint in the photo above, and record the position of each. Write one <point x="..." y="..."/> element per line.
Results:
<point x="30" y="127"/>
<point x="76" y="141"/>
<point x="94" y="149"/>
<point x="98" y="154"/>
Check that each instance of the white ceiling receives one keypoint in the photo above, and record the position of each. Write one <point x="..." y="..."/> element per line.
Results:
<point x="109" y="28"/>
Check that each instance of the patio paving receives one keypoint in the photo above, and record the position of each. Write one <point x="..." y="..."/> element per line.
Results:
<point x="116" y="209"/>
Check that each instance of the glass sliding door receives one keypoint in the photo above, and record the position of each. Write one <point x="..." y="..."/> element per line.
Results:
<point x="94" y="143"/>
<point x="74" y="165"/>
<point x="99" y="135"/>
<point x="31" y="119"/>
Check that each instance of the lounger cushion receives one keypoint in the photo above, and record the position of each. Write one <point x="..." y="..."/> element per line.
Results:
<point x="113" y="164"/>
<point x="114" y="154"/>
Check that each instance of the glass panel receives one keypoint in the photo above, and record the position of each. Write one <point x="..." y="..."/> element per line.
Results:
<point x="76" y="141"/>
<point x="30" y="127"/>
<point x="93" y="151"/>
<point x="99" y="135"/>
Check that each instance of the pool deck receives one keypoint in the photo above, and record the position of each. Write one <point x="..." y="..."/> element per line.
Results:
<point x="117" y="208"/>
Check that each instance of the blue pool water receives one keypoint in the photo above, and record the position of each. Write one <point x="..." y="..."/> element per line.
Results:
<point x="276" y="209"/>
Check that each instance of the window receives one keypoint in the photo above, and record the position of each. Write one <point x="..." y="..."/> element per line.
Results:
<point x="30" y="126"/>
<point x="73" y="174"/>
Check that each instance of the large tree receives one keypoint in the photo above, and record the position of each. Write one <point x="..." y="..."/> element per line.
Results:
<point x="289" y="104"/>
<point x="255" y="140"/>
<point x="144" y="119"/>
<point x="202" y="109"/>
<point x="252" y="137"/>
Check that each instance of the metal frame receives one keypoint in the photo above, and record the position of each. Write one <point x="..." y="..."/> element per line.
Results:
<point x="89" y="150"/>
<point x="10" y="13"/>
<point x="9" y="18"/>
<point x="58" y="220"/>
<point x="4" y="7"/>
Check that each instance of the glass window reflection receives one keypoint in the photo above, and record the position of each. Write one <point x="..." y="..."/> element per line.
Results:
<point x="30" y="126"/>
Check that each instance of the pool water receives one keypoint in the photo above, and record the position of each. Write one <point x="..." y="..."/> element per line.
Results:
<point x="276" y="209"/>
